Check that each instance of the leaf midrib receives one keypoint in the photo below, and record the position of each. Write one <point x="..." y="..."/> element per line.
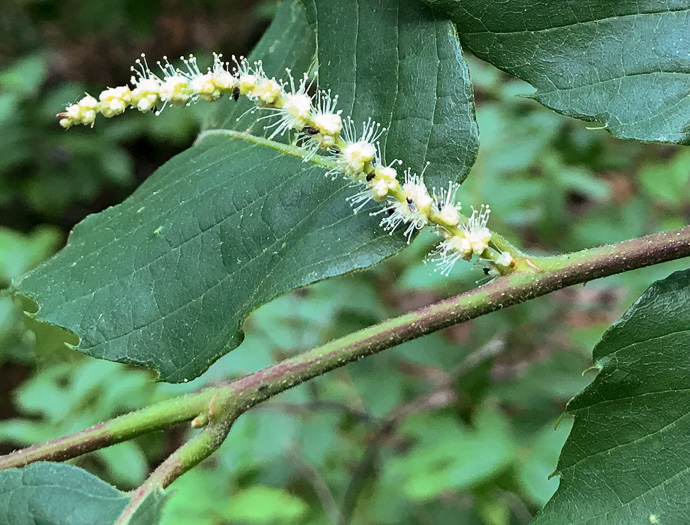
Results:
<point x="574" y="24"/>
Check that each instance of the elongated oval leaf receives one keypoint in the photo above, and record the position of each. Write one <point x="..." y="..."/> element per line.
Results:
<point x="626" y="64"/>
<point x="166" y="279"/>
<point x="60" y="494"/>
<point x="627" y="459"/>
<point x="396" y="62"/>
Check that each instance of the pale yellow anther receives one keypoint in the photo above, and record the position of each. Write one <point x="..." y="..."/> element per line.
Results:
<point x="88" y="109"/>
<point x="478" y="234"/>
<point x="385" y="180"/>
<point x="298" y="106"/>
<point x="224" y="81"/>
<point x="146" y="94"/>
<point x="356" y="155"/>
<point x="72" y="112"/>
<point x="505" y="259"/>
<point x="460" y="244"/>
<point x="267" y="91"/>
<point x="448" y="216"/>
<point x="175" y="90"/>
<point x="247" y="84"/>
<point x="205" y="87"/>
<point x="114" y="101"/>
<point x="83" y="112"/>
<point x="88" y="103"/>
<point x="479" y="240"/>
<point x="419" y="196"/>
<point x="328" y="123"/>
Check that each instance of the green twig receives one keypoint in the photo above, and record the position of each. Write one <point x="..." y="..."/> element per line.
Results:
<point x="184" y="458"/>
<point x="122" y="428"/>
<point x="535" y="277"/>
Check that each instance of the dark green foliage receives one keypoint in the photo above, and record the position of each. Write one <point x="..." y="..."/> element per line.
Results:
<point x="626" y="458"/>
<point x="288" y="42"/>
<point x="218" y="231"/>
<point x="598" y="61"/>
<point x="367" y="441"/>
<point x="397" y="63"/>
<point x="227" y="226"/>
<point x="59" y="494"/>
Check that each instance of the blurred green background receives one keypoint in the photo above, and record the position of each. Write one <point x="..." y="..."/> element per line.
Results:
<point x="457" y="427"/>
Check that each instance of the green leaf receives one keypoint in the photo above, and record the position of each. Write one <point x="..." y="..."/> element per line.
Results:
<point x="626" y="460"/>
<point x="126" y="463"/>
<point x="19" y="253"/>
<point x="57" y="494"/>
<point x="624" y="64"/>
<point x="61" y="494"/>
<point x="148" y="511"/>
<point x="196" y="496"/>
<point x="289" y="42"/>
<point x="396" y="62"/>
<point x="261" y="504"/>
<point x="538" y="461"/>
<point x="450" y="456"/>
<point x="667" y="182"/>
<point x="25" y="76"/>
<point x="166" y="278"/>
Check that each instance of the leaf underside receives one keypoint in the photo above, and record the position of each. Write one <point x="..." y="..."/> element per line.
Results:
<point x="61" y="494"/>
<point x="627" y="460"/>
<point x="624" y="64"/>
<point x="166" y="278"/>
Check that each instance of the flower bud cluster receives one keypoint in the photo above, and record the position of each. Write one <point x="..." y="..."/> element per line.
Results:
<point x="318" y="126"/>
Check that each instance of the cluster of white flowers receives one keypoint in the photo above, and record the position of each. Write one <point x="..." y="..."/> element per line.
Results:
<point x="318" y="126"/>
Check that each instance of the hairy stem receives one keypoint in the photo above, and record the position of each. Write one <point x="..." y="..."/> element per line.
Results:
<point x="540" y="276"/>
<point x="122" y="428"/>
<point x="184" y="458"/>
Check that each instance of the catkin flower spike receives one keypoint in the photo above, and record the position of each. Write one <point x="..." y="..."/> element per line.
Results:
<point x="325" y="128"/>
<point x="413" y="209"/>
<point x="472" y="239"/>
<point x="249" y="78"/>
<point x="320" y="127"/>
<point x="267" y="91"/>
<point x="221" y="76"/>
<point x="476" y="230"/>
<point x="379" y="183"/>
<point x="506" y="260"/>
<point x="447" y="208"/>
<point x="448" y="252"/>
<point x="146" y="93"/>
<point x="202" y="85"/>
<point x="358" y="150"/>
<point x="174" y="88"/>
<point x="295" y="110"/>
<point x="246" y="77"/>
<point x="83" y="112"/>
<point x="114" y="101"/>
